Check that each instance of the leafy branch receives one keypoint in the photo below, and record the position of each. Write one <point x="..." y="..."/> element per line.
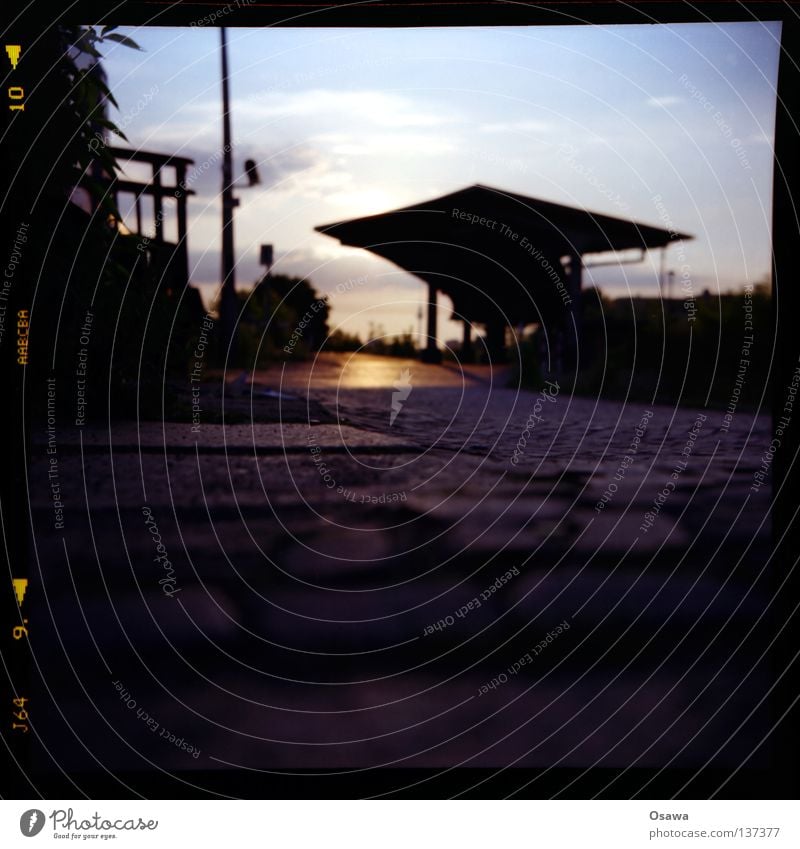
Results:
<point x="92" y="163"/>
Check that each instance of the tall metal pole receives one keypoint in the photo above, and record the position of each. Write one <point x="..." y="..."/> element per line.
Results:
<point x="228" y="303"/>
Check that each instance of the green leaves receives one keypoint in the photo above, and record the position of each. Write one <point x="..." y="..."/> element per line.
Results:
<point x="85" y="42"/>
<point x="86" y="108"/>
<point x="105" y="89"/>
<point x="110" y="125"/>
<point x="123" y="39"/>
<point x="88" y="39"/>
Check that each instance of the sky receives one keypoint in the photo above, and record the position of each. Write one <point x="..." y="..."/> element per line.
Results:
<point x="666" y="125"/>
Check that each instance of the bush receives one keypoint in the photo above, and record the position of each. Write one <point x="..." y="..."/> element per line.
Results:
<point x="647" y="349"/>
<point x="340" y="340"/>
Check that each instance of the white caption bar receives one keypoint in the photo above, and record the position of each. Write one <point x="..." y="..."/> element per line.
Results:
<point x="401" y="824"/>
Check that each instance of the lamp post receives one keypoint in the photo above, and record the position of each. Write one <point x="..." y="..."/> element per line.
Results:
<point x="228" y="304"/>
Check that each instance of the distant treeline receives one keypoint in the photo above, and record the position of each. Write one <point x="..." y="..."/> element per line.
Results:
<point x="706" y="350"/>
<point x="282" y="316"/>
<point x="285" y="317"/>
<point x="399" y="345"/>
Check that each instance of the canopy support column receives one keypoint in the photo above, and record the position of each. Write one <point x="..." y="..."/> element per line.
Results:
<point x="467" y="352"/>
<point x="496" y="339"/>
<point x="431" y="353"/>
<point x="574" y="319"/>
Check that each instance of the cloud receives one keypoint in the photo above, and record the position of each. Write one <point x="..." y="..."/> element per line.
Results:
<point x="274" y="114"/>
<point x="663" y="102"/>
<point x="385" y="144"/>
<point x="516" y="127"/>
<point x="380" y="108"/>
<point x="276" y="171"/>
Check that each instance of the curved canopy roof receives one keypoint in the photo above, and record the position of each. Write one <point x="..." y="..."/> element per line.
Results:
<point x="489" y="249"/>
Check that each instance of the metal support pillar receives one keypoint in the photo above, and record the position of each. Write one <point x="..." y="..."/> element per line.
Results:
<point x="572" y="331"/>
<point x="467" y="352"/>
<point x="431" y="353"/>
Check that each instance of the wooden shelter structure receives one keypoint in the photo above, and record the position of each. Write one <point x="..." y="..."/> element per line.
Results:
<point x="503" y="259"/>
<point x="169" y="260"/>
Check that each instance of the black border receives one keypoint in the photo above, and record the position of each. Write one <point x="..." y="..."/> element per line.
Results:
<point x="779" y="783"/>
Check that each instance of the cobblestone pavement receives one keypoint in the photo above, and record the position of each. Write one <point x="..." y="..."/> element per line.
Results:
<point x="495" y="578"/>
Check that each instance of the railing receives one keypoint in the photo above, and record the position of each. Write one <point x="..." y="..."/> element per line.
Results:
<point x="176" y="264"/>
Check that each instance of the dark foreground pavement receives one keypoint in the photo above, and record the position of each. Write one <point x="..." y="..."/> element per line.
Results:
<point x="335" y="591"/>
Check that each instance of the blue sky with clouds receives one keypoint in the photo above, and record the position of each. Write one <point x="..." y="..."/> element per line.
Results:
<point x="349" y="122"/>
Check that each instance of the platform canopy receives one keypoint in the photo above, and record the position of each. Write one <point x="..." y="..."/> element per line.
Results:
<point x="502" y="258"/>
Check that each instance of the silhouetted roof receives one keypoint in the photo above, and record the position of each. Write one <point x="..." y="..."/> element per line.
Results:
<point x="464" y="245"/>
<point x="576" y="229"/>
